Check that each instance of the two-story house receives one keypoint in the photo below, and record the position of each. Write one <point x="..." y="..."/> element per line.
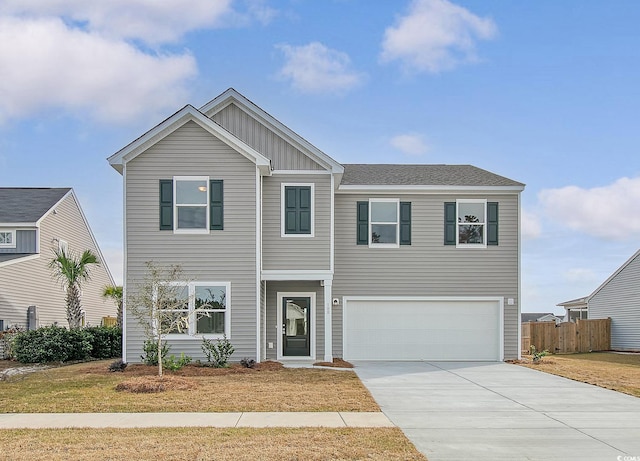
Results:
<point x="301" y="257"/>
<point x="33" y="223"/>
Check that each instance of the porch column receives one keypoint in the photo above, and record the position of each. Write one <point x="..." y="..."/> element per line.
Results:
<point x="328" y="346"/>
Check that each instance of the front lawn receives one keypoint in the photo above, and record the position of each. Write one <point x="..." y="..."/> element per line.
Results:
<point x="190" y="444"/>
<point x="620" y="372"/>
<point x="89" y="387"/>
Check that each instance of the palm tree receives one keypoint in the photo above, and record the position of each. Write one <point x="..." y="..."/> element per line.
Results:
<point x="72" y="271"/>
<point x="114" y="292"/>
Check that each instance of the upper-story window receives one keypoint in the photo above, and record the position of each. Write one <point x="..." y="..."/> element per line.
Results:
<point x="191" y="204"/>
<point x="383" y="223"/>
<point x="7" y="239"/>
<point x="297" y="210"/>
<point x="384" y="219"/>
<point x="471" y="223"/>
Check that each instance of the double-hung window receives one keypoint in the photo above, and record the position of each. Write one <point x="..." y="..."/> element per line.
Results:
<point x="191" y="212"/>
<point x="297" y="206"/>
<point x="384" y="220"/>
<point x="195" y="308"/>
<point x="7" y="239"/>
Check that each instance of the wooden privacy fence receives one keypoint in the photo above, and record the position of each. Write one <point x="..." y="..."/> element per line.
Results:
<point x="568" y="337"/>
<point x="109" y="321"/>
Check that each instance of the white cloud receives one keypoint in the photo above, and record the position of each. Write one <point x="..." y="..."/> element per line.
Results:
<point x="531" y="228"/>
<point x="314" y="68"/>
<point x="410" y="144"/>
<point x="580" y="275"/>
<point x="151" y="21"/>
<point x="609" y="212"/>
<point x="435" y="35"/>
<point x="47" y="65"/>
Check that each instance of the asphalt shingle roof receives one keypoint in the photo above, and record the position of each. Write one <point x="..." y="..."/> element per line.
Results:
<point x="27" y="204"/>
<point x="432" y="175"/>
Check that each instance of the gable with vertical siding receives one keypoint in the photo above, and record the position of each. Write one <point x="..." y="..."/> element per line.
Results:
<point x="283" y="155"/>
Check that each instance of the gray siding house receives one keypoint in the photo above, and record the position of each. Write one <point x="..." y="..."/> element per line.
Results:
<point x="618" y="298"/>
<point x="34" y="222"/>
<point x="305" y="258"/>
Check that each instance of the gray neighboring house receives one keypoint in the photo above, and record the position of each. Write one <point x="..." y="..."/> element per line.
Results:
<point x="540" y="317"/>
<point x="34" y="222"/>
<point x="618" y="298"/>
<point x="301" y="257"/>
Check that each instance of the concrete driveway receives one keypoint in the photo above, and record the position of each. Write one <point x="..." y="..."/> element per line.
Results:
<point x="498" y="411"/>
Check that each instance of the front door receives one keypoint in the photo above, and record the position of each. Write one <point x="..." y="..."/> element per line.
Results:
<point x="296" y="316"/>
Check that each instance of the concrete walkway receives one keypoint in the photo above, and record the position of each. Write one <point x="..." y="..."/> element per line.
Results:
<point x="496" y="411"/>
<point x="128" y="420"/>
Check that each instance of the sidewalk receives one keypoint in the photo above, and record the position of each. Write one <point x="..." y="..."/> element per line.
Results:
<point x="253" y="419"/>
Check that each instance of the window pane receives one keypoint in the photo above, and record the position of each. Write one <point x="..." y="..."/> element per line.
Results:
<point x="384" y="211"/>
<point x="191" y="217"/>
<point x="174" y="322"/>
<point x="173" y="297"/>
<point x="191" y="192"/>
<point x="471" y="234"/>
<point x="213" y="323"/>
<point x="5" y="238"/>
<point x="384" y="233"/>
<point x="471" y="212"/>
<point x="211" y="297"/>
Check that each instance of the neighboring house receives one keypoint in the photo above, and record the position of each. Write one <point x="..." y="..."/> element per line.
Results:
<point x="575" y="309"/>
<point x="540" y="317"/>
<point x="303" y="257"/>
<point x="618" y="298"/>
<point x="34" y="222"/>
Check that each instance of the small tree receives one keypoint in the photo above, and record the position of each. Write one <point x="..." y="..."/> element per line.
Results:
<point x="72" y="271"/>
<point x="161" y="305"/>
<point x="115" y="293"/>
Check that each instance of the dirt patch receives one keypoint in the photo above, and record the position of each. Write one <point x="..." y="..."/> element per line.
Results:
<point x="154" y="384"/>
<point x="337" y="363"/>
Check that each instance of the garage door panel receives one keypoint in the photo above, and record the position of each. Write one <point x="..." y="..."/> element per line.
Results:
<point x="422" y="330"/>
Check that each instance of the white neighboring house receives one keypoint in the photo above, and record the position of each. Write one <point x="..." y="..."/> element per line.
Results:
<point x="34" y="222"/>
<point x="618" y="298"/>
<point x="541" y="317"/>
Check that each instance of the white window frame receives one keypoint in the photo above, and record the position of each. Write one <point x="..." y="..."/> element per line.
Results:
<point x="484" y="224"/>
<point x="176" y="229"/>
<point x="397" y="223"/>
<point x="63" y="246"/>
<point x="191" y="312"/>
<point x="13" y="243"/>
<point x="283" y="187"/>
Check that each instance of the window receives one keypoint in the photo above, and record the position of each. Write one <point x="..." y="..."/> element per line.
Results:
<point x="7" y="239"/>
<point x="471" y="223"/>
<point x="63" y="247"/>
<point x="196" y="308"/>
<point x="383" y="223"/>
<point x="191" y="211"/>
<point x="384" y="217"/>
<point x="297" y="205"/>
<point x="191" y="204"/>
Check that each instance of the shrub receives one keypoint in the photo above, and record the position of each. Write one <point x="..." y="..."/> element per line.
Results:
<point x="217" y="352"/>
<point x="106" y="342"/>
<point x="118" y="365"/>
<point x="537" y="355"/>
<point x="150" y="352"/>
<point x="173" y="364"/>
<point x="52" y="344"/>
<point x="248" y="363"/>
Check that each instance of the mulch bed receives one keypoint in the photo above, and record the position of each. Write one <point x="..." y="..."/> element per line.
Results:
<point x="337" y="363"/>
<point x="193" y="370"/>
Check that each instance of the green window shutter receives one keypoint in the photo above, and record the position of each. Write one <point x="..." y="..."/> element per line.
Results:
<point x="450" y="223"/>
<point x="166" y="204"/>
<point x="405" y="223"/>
<point x="216" y="204"/>
<point x="363" y="223"/>
<point x="492" y="223"/>
<point x="297" y="210"/>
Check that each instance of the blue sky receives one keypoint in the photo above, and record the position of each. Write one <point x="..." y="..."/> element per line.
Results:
<point x="542" y="92"/>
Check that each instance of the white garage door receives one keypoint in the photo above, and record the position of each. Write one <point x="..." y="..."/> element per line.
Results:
<point x="424" y="329"/>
